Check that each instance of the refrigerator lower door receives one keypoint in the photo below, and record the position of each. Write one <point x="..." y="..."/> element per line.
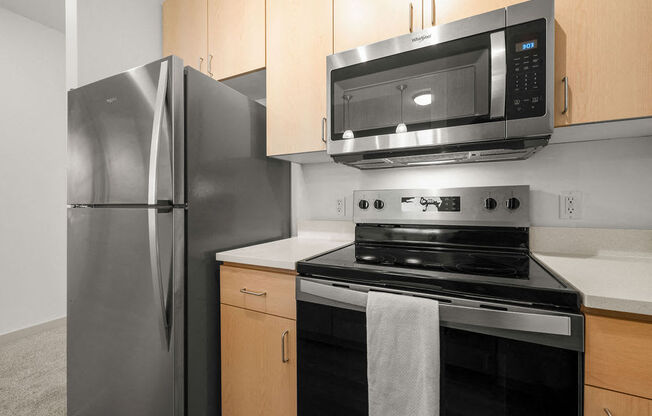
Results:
<point x="125" y="137"/>
<point x="125" y="311"/>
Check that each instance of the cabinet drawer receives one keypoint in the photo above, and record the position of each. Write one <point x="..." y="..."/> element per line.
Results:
<point x="619" y="355"/>
<point x="600" y="402"/>
<point x="259" y="290"/>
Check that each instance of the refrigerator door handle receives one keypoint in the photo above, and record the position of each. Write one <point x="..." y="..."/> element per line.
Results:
<point x="157" y="278"/>
<point x="159" y="107"/>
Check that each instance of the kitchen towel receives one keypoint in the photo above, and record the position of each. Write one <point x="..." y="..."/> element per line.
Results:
<point x="402" y="355"/>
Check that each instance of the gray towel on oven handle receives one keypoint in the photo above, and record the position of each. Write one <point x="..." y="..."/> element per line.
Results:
<point x="402" y="355"/>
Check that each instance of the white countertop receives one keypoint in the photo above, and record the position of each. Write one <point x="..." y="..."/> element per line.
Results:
<point x="616" y="283"/>
<point x="314" y="238"/>
<point x="281" y="254"/>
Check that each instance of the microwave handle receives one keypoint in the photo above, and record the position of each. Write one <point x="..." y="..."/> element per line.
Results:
<point x="498" y="75"/>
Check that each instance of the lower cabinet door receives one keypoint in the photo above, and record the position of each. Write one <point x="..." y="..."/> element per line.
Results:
<point x="259" y="368"/>
<point x="600" y="402"/>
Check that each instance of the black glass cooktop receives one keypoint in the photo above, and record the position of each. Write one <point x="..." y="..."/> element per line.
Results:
<point x="508" y="276"/>
<point x="509" y="265"/>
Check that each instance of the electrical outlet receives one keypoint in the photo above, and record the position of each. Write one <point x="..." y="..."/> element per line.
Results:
<point x="570" y="205"/>
<point x="341" y="207"/>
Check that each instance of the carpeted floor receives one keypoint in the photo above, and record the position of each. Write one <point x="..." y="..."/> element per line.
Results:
<point x="33" y="374"/>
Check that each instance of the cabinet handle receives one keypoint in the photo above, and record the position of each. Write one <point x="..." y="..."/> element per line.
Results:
<point x="247" y="292"/>
<point x="323" y="129"/>
<point x="565" y="81"/>
<point x="283" y="357"/>
<point x="210" y="61"/>
<point x="411" y="17"/>
<point x="607" y="412"/>
<point x="201" y="61"/>
<point x="434" y="6"/>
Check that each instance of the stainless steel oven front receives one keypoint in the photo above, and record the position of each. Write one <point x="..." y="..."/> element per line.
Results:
<point x="496" y="359"/>
<point x="485" y="78"/>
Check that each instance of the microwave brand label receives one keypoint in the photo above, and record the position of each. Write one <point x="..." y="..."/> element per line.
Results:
<point x="422" y="38"/>
<point x="111" y="100"/>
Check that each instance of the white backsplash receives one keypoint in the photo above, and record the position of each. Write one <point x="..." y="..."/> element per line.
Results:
<point x="614" y="176"/>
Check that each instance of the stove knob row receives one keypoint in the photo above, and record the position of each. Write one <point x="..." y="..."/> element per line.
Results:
<point x="511" y="204"/>
<point x="364" y="204"/>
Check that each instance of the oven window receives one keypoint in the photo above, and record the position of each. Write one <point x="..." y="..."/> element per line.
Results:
<point x="436" y="86"/>
<point x="480" y="374"/>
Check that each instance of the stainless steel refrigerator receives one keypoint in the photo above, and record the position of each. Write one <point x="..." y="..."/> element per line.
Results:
<point x="165" y="167"/>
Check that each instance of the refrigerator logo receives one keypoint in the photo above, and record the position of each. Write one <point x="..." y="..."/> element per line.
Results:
<point x="422" y="38"/>
<point x="111" y="100"/>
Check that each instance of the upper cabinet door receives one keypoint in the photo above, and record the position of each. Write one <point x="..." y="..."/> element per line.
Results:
<point x="361" y="22"/>
<point x="236" y="37"/>
<point x="185" y="31"/>
<point x="299" y="38"/>
<point x="604" y="49"/>
<point x="437" y="12"/>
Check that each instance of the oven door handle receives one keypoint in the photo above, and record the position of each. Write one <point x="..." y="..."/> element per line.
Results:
<point x="498" y="75"/>
<point x="540" y="323"/>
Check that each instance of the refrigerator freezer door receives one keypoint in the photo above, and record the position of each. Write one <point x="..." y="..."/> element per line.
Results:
<point x="125" y="323"/>
<point x="237" y="196"/>
<point x="125" y="137"/>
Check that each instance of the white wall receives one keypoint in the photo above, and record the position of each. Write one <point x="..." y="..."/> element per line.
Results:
<point x="32" y="173"/>
<point x="108" y="37"/>
<point x="614" y="175"/>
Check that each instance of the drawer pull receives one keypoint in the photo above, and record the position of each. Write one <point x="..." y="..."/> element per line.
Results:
<point x="248" y="292"/>
<point x="283" y="358"/>
<point x="607" y="412"/>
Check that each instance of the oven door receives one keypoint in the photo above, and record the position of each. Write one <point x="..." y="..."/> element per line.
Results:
<point x="496" y="360"/>
<point x="444" y="85"/>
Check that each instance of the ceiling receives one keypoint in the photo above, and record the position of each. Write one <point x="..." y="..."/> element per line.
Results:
<point x="50" y="13"/>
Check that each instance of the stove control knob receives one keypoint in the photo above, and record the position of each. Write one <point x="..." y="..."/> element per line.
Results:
<point x="363" y="204"/>
<point x="378" y="204"/>
<point x="490" y="204"/>
<point x="512" y="204"/>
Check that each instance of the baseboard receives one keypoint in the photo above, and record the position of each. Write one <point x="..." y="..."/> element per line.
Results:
<point x="31" y="330"/>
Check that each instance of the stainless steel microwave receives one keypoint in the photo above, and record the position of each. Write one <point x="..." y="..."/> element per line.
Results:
<point x="478" y="89"/>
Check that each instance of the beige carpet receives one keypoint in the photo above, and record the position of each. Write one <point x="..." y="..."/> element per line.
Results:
<point x="33" y="374"/>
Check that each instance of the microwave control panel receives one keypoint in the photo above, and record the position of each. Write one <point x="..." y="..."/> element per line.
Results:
<point x="526" y="70"/>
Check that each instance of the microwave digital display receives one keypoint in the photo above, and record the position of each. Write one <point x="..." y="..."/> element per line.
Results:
<point x="526" y="46"/>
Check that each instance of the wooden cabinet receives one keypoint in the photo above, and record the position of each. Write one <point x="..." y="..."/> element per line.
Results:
<point x="619" y="355"/>
<point x="236" y="36"/>
<point x="259" y="363"/>
<point x="600" y="402"/>
<point x="361" y="22"/>
<point x="604" y="47"/>
<point x="437" y="12"/>
<point x="258" y="341"/>
<point x="185" y="31"/>
<point x="618" y="364"/>
<point x="299" y="37"/>
<point x="221" y="38"/>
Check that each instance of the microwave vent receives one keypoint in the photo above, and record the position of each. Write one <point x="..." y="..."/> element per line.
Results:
<point x="517" y="149"/>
